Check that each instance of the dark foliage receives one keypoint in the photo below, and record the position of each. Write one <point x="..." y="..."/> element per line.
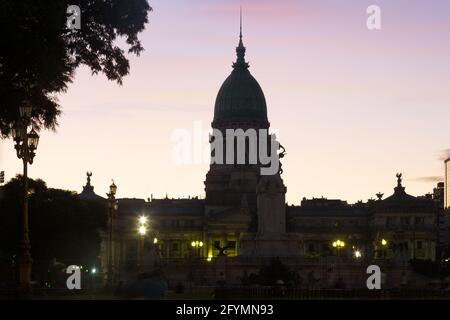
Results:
<point x="39" y="54"/>
<point x="62" y="227"/>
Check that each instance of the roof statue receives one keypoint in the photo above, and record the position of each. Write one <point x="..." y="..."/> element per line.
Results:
<point x="89" y="175"/>
<point x="399" y="179"/>
<point x="88" y="190"/>
<point x="280" y="156"/>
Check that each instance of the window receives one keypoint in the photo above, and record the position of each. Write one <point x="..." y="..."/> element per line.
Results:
<point x="390" y="221"/>
<point x="419" y="220"/>
<point x="419" y="245"/>
<point x="325" y="247"/>
<point x="355" y="223"/>
<point x="175" y="246"/>
<point x="310" y="247"/>
<point x="231" y="244"/>
<point x="216" y="244"/>
<point x="405" y="220"/>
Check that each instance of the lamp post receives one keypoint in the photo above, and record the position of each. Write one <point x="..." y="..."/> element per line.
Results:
<point x="142" y="231"/>
<point x="26" y="143"/>
<point x="338" y="244"/>
<point x="197" y="245"/>
<point x="112" y="206"/>
<point x="93" y="272"/>
<point x="384" y="244"/>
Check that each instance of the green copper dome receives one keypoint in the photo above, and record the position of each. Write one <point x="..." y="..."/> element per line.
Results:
<point x="240" y="98"/>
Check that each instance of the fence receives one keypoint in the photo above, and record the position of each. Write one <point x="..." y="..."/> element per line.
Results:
<point x="261" y="293"/>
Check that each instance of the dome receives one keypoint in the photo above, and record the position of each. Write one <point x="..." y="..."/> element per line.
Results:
<point x="240" y="98"/>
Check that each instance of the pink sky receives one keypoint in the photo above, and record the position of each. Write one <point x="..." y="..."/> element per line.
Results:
<point x="352" y="106"/>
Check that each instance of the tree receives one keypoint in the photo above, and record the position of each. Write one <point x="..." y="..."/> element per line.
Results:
<point x="39" y="54"/>
<point x="62" y="226"/>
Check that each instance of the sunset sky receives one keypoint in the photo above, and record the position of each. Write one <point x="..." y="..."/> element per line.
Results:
<point x="352" y="106"/>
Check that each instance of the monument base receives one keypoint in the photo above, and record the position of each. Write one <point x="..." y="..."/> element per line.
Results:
<point x="276" y="245"/>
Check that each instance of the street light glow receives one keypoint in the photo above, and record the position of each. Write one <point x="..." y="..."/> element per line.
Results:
<point x="142" y="230"/>
<point x="197" y="244"/>
<point x="142" y="219"/>
<point x="357" y="254"/>
<point x="338" y="244"/>
<point x="383" y="242"/>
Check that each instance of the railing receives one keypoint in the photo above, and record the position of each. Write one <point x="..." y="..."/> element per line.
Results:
<point x="406" y="227"/>
<point x="325" y="294"/>
<point x="252" y="293"/>
<point x="46" y="293"/>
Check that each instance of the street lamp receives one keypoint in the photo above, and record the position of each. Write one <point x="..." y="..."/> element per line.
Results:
<point x="198" y="245"/>
<point x="384" y="244"/>
<point x="338" y="244"/>
<point x="26" y="143"/>
<point x="142" y="230"/>
<point x="92" y="279"/>
<point x="142" y="220"/>
<point x="113" y="206"/>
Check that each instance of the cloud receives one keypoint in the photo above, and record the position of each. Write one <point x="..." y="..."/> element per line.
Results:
<point x="429" y="179"/>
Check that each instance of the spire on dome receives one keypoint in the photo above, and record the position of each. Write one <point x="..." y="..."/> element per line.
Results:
<point x="240" y="26"/>
<point x="240" y="49"/>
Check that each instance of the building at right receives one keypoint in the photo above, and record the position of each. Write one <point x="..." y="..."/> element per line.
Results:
<point x="447" y="181"/>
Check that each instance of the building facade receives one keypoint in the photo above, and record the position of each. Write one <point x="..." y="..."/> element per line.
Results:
<point x="199" y="240"/>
